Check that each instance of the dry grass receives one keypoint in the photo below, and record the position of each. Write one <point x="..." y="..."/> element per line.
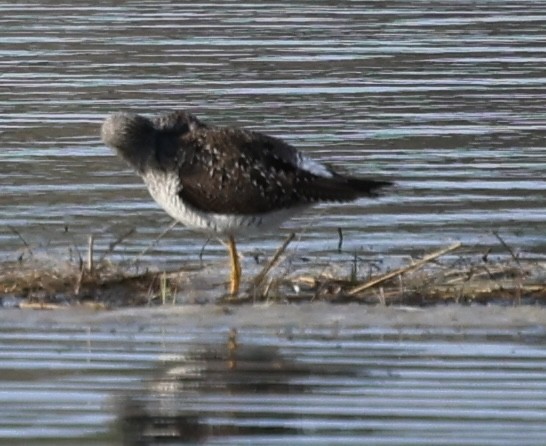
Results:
<point x="434" y="283"/>
<point x="46" y="285"/>
<point x="453" y="274"/>
<point x="465" y="276"/>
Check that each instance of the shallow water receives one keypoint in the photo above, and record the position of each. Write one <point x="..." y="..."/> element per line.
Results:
<point x="447" y="98"/>
<point x="295" y="376"/>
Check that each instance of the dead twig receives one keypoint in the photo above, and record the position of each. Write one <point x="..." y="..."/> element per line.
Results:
<point x="116" y="242"/>
<point x="202" y="252"/>
<point x="258" y="279"/>
<point x="519" y="278"/>
<point x="90" y="265"/>
<point x="79" y="281"/>
<point x="507" y="247"/>
<point x="404" y="269"/>
<point x="154" y="242"/>
<point x="340" y="239"/>
<point x="41" y="306"/>
<point x="18" y="234"/>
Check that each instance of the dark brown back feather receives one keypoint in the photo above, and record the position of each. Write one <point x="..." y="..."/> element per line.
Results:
<point x="234" y="171"/>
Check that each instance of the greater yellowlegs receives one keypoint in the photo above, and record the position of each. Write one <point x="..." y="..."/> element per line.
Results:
<point x="225" y="181"/>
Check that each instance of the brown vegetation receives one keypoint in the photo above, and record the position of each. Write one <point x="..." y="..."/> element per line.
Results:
<point x="453" y="274"/>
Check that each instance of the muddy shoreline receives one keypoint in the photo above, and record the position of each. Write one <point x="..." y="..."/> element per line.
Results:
<point x="306" y="315"/>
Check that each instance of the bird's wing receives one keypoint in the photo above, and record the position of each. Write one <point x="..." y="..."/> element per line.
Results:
<point x="234" y="171"/>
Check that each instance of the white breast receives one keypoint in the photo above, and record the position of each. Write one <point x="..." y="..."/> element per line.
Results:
<point x="164" y="190"/>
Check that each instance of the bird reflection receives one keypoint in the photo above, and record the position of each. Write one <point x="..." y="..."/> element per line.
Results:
<point x="216" y="392"/>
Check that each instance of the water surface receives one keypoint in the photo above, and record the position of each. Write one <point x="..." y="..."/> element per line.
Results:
<point x="303" y="375"/>
<point x="447" y="98"/>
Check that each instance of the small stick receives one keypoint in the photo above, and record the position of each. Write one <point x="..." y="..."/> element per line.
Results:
<point x="404" y="269"/>
<point x="267" y="289"/>
<point x="515" y="258"/>
<point x="90" y="253"/>
<point x="41" y="306"/>
<point x="163" y="287"/>
<point x="274" y="260"/>
<point x="202" y="252"/>
<point x="340" y="240"/>
<point x="79" y="282"/>
<point x="116" y="242"/>
<point x="159" y="237"/>
<point x="80" y="260"/>
<point x="505" y="246"/>
<point x="18" y="234"/>
<point x="354" y="268"/>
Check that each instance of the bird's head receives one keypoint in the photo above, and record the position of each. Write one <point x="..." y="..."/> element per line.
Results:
<point x="132" y="136"/>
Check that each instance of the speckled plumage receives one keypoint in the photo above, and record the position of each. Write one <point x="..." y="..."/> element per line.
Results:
<point x="225" y="180"/>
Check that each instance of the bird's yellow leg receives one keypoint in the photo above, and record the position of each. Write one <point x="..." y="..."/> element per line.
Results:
<point x="235" y="278"/>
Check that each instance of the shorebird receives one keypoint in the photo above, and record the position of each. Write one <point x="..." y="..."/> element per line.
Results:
<point x="225" y="181"/>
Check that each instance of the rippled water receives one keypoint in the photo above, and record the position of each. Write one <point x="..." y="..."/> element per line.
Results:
<point x="174" y="380"/>
<point x="445" y="97"/>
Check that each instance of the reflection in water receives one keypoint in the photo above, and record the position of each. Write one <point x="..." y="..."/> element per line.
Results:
<point x="287" y="382"/>
<point x="238" y="390"/>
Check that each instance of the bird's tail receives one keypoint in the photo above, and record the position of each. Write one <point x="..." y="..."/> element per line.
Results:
<point x="366" y="187"/>
<point x="340" y="188"/>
